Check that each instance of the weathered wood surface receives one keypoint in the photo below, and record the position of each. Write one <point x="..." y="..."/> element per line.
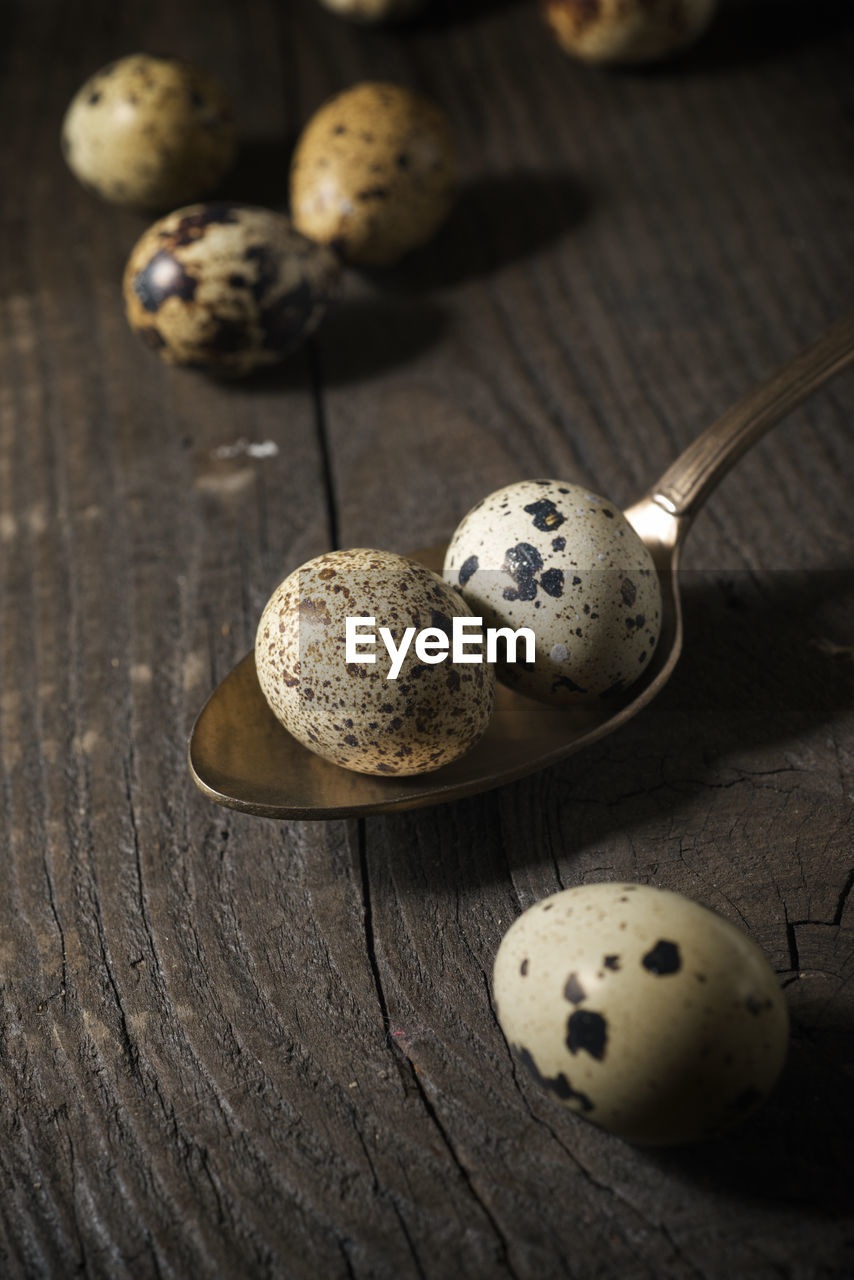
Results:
<point x="234" y="1048"/>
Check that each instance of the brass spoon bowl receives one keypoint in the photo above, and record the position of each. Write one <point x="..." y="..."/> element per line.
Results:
<point x="240" y="756"/>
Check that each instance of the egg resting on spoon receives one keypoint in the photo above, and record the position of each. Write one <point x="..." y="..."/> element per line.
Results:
<point x="355" y="709"/>
<point x="565" y="563"/>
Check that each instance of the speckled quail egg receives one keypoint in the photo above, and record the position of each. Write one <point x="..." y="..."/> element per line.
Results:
<point x="641" y="1010"/>
<point x="373" y="10"/>
<point x="226" y="287"/>
<point x="626" y="31"/>
<point x="149" y="132"/>
<point x="374" y="173"/>
<point x="360" y="714"/>
<point x="565" y="563"/>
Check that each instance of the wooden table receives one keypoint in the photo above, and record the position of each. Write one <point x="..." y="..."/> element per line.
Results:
<point x="231" y="1047"/>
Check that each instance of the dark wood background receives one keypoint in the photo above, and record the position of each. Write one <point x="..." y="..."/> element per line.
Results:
<point x="235" y="1048"/>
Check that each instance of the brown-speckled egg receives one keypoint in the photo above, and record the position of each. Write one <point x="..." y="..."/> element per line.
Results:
<point x="373" y="10"/>
<point x="149" y="132"/>
<point x="374" y="173"/>
<point x="641" y="1010"/>
<point x="626" y="31"/>
<point x="553" y="557"/>
<point x="352" y="713"/>
<point x="226" y="287"/>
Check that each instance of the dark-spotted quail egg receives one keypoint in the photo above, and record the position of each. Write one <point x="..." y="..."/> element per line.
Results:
<point x="564" y="563"/>
<point x="409" y="708"/>
<point x="374" y="173"/>
<point x="641" y="1010"/>
<point x="226" y="287"/>
<point x="626" y="31"/>
<point x="149" y="132"/>
<point x="373" y="10"/>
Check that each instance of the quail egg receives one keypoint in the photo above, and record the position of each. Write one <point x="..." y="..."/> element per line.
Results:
<point x="373" y="10"/>
<point x="226" y="287"/>
<point x="641" y="1010"/>
<point x="564" y="563"/>
<point x="626" y="31"/>
<point x="149" y="132"/>
<point x="374" y="173"/>
<point x="371" y="709"/>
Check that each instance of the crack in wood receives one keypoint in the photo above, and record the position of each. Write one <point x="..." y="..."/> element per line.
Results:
<point x="792" y="941"/>
<point x="63" y="991"/>
<point x="843" y="898"/>
<point x="128" y="770"/>
<point x="405" y="1064"/>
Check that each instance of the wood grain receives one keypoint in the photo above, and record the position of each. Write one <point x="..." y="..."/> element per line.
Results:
<point x="236" y="1048"/>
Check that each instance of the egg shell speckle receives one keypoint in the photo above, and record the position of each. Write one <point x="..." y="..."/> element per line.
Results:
<point x="352" y="714"/>
<point x="149" y="132"/>
<point x="225" y="287"/>
<point x="641" y="1010"/>
<point x="374" y="173"/>
<point x="627" y="31"/>
<point x="551" y="556"/>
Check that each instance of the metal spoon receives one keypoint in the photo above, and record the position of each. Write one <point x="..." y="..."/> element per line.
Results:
<point x="240" y="756"/>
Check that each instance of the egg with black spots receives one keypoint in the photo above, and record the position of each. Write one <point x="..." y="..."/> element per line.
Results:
<point x="150" y="132"/>
<point x="641" y="1010"/>
<point x="627" y="31"/>
<point x="374" y="173"/>
<point x="566" y="565"/>
<point x="226" y="288"/>
<point x="365" y="715"/>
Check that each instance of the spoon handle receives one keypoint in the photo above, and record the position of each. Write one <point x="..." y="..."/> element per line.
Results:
<point x="689" y="480"/>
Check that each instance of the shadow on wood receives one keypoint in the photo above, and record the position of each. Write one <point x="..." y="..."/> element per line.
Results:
<point x="360" y="339"/>
<point x="752" y="675"/>
<point x="497" y="220"/>
<point x="447" y="13"/>
<point x="796" y="1148"/>
<point x="752" y="31"/>
<point x="260" y="173"/>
